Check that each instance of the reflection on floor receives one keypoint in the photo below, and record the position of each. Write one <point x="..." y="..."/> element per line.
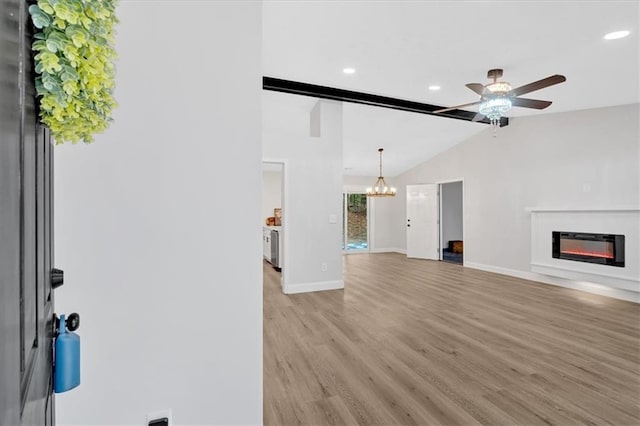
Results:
<point x="358" y="245"/>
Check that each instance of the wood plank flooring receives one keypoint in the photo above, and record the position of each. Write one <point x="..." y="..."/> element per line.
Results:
<point x="415" y="342"/>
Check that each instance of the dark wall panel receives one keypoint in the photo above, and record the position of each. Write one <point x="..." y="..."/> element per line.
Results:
<point x="9" y="214"/>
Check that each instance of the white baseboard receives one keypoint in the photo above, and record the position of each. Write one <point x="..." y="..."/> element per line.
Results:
<point x="315" y="286"/>
<point x="388" y="250"/>
<point x="588" y="287"/>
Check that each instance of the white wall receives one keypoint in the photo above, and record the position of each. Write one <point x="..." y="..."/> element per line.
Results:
<point x="271" y="194"/>
<point x="358" y="183"/>
<point x="161" y="254"/>
<point x="451" y="220"/>
<point x="583" y="159"/>
<point x="313" y="192"/>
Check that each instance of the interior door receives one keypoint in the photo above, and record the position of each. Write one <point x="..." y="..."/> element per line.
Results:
<point x="422" y="221"/>
<point x="26" y="299"/>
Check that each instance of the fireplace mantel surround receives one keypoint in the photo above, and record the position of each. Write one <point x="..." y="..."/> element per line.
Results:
<point x="620" y="220"/>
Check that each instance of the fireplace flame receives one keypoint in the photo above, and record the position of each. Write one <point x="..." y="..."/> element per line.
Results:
<point x="588" y="253"/>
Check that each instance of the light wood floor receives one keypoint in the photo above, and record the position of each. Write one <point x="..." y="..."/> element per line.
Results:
<point x="423" y="342"/>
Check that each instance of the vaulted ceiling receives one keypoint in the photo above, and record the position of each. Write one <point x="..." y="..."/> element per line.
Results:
<point x="400" y="48"/>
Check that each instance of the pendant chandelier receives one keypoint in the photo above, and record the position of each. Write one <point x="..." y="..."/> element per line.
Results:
<point x="381" y="189"/>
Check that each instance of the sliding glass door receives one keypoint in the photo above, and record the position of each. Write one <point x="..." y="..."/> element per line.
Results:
<point x="356" y="230"/>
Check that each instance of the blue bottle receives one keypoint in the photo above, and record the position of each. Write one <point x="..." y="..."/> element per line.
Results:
<point x="66" y="374"/>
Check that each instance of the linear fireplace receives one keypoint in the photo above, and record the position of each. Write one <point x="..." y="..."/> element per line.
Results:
<point x="604" y="249"/>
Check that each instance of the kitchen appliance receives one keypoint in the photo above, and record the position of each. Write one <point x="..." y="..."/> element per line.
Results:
<point x="275" y="249"/>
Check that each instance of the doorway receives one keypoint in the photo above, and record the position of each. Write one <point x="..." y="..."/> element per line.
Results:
<point x="273" y="217"/>
<point x="355" y="234"/>
<point x="451" y="222"/>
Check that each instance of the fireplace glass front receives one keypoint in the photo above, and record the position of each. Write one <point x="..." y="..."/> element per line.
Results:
<point x="607" y="249"/>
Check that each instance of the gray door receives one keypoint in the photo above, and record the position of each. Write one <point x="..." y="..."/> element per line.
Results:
<point x="26" y="299"/>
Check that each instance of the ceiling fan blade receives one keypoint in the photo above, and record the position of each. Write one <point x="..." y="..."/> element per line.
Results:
<point x="537" y="85"/>
<point x="530" y="103"/>
<point x="476" y="87"/>
<point x="457" y="107"/>
<point x="477" y="117"/>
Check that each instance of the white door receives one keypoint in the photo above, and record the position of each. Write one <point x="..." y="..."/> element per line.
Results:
<point x="422" y="221"/>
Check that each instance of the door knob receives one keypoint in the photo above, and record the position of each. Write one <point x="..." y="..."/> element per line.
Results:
<point x="73" y="322"/>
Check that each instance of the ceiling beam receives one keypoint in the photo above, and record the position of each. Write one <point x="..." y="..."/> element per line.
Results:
<point x="324" y="92"/>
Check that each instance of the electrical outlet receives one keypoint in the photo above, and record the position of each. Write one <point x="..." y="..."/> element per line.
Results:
<point x="159" y="416"/>
<point x="323" y="266"/>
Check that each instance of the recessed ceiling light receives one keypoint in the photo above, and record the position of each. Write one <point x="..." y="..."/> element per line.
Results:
<point x="349" y="70"/>
<point x="434" y="88"/>
<point x="616" y="35"/>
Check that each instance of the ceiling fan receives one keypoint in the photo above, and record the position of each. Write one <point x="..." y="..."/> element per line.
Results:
<point x="497" y="98"/>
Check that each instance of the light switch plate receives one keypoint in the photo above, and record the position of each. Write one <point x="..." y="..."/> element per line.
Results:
<point x="333" y="218"/>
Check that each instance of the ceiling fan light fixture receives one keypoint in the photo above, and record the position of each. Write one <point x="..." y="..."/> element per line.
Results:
<point x="497" y="97"/>
<point x="494" y="109"/>
<point x="380" y="188"/>
<point x="499" y="87"/>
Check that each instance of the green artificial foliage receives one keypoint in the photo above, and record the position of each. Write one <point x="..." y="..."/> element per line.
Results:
<point x="75" y="65"/>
